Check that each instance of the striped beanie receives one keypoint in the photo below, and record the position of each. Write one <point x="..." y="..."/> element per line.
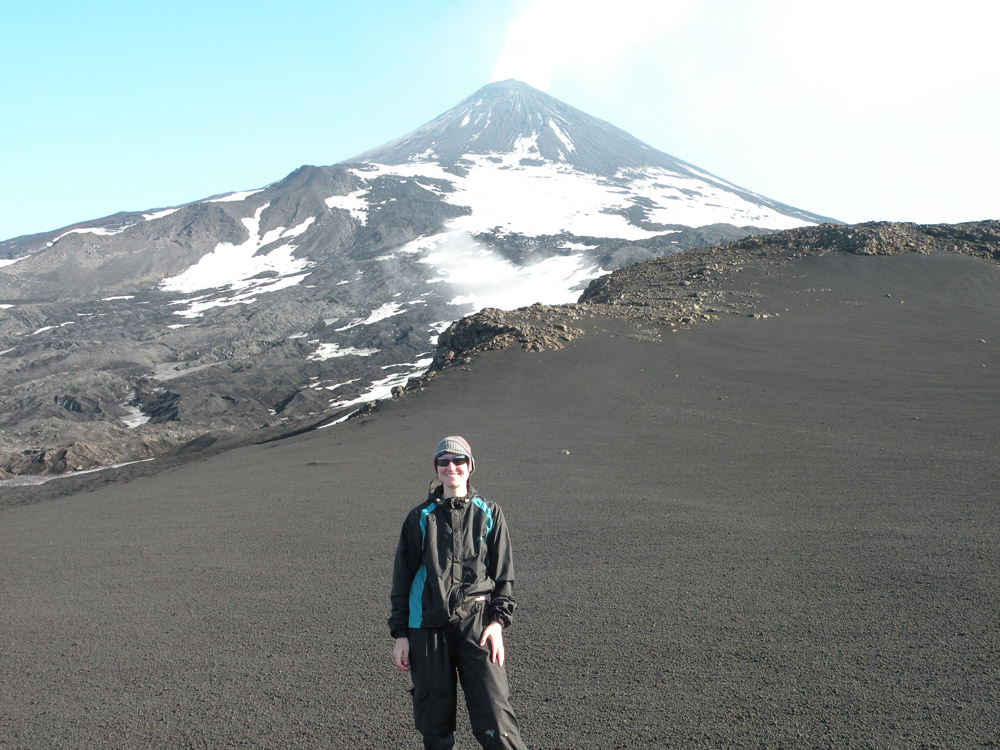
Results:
<point x="459" y="445"/>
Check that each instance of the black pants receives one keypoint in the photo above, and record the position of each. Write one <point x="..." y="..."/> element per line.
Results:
<point x="436" y="656"/>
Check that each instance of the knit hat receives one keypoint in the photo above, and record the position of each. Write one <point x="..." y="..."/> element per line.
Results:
<point x="459" y="445"/>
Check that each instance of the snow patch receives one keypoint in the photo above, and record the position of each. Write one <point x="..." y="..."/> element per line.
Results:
<point x="43" y="329"/>
<point x="534" y="199"/>
<point x="240" y="267"/>
<point x="24" y="481"/>
<point x="436" y="329"/>
<point x="354" y="203"/>
<point x="335" y="386"/>
<point x="549" y="198"/>
<point x="199" y="305"/>
<point x="133" y="417"/>
<point x="490" y="280"/>
<point x="526" y="147"/>
<point x="387" y="310"/>
<point x="99" y="231"/>
<point x="570" y="146"/>
<point x="160" y="214"/>
<point x="679" y="199"/>
<point x="330" y="351"/>
<point x="235" y="197"/>
<point x="381" y="389"/>
<point x="299" y="229"/>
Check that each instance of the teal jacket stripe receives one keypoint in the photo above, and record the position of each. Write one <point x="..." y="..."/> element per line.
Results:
<point x="417" y="598"/>
<point x="423" y="523"/>
<point x="489" y="514"/>
<point x="489" y="520"/>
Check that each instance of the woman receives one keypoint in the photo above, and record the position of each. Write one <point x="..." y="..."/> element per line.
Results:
<point x="452" y="596"/>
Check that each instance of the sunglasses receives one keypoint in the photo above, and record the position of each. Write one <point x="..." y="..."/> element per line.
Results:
<point x="457" y="460"/>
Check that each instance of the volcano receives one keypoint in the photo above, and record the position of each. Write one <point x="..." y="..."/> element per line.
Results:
<point x="251" y="314"/>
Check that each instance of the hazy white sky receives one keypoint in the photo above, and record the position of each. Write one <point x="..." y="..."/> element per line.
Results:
<point x="877" y="110"/>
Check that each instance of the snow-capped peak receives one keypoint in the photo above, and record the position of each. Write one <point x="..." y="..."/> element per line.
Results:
<point x="553" y="154"/>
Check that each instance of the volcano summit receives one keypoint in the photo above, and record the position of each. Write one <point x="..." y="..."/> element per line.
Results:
<point x="525" y="162"/>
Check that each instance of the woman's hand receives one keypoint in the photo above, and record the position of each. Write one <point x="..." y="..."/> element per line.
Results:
<point x="493" y="634"/>
<point x="401" y="654"/>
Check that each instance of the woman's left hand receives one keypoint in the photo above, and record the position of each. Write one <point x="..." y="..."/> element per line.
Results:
<point x="493" y="634"/>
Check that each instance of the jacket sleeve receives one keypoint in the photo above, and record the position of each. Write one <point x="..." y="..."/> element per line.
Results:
<point x="501" y="570"/>
<point x="404" y="568"/>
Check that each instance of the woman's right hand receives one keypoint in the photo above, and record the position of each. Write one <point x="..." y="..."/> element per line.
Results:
<point x="401" y="654"/>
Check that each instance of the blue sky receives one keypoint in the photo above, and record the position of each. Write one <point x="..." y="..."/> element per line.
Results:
<point x="859" y="110"/>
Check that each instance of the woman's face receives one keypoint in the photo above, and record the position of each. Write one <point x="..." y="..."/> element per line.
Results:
<point x="455" y="472"/>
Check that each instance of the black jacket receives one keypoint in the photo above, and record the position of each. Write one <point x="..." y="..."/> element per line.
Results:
<point x="450" y="553"/>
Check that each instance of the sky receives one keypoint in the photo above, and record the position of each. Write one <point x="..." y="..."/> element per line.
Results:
<point x="860" y="110"/>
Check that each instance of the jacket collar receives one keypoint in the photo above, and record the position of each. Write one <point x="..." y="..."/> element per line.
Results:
<point x="452" y="502"/>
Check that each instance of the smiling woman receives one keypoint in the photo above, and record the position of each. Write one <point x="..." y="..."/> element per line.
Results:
<point x="449" y="627"/>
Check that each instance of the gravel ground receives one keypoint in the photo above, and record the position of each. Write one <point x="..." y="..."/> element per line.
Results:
<point x="751" y="532"/>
